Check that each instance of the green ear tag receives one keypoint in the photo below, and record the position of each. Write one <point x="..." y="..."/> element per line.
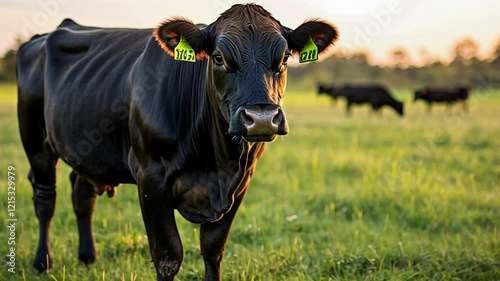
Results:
<point x="309" y="52"/>
<point x="184" y="52"/>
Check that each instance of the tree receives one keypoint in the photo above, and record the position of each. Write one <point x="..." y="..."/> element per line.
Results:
<point x="496" y="51"/>
<point x="465" y="50"/>
<point x="8" y="63"/>
<point x="425" y="57"/>
<point x="400" y="58"/>
<point x="359" y="58"/>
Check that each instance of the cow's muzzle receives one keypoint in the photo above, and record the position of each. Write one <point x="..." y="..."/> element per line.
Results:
<point x="259" y="123"/>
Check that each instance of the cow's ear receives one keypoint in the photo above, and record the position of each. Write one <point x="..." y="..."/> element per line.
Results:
<point x="322" y="33"/>
<point x="169" y="33"/>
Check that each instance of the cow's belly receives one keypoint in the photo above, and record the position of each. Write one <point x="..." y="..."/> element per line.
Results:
<point x="94" y="143"/>
<point x="99" y="167"/>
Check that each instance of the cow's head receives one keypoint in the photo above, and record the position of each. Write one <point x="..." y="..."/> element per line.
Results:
<point x="420" y="94"/>
<point x="332" y="91"/>
<point x="323" y="89"/>
<point x="248" y="51"/>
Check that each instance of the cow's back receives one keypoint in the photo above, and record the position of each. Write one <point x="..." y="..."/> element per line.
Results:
<point x="443" y="94"/>
<point x="85" y="95"/>
<point x="365" y="93"/>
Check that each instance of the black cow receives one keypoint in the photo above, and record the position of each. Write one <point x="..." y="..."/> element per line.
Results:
<point x="331" y="91"/>
<point x="443" y="95"/>
<point x="375" y="95"/>
<point x="119" y="106"/>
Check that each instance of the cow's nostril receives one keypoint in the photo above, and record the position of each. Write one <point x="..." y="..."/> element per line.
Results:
<point x="277" y="119"/>
<point x="246" y="119"/>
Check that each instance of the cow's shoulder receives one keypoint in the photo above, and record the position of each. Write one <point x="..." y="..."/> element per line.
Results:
<point x="163" y="93"/>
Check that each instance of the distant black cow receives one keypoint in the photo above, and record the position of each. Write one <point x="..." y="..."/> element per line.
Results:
<point x="331" y="91"/>
<point x="375" y="95"/>
<point x="183" y="112"/>
<point x="443" y="95"/>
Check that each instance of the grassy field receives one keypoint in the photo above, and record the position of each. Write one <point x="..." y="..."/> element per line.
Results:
<point x="367" y="197"/>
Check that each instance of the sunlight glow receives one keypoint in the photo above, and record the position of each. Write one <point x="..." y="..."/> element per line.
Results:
<point x="352" y="7"/>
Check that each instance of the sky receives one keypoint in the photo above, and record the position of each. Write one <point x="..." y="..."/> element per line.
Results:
<point x="426" y="28"/>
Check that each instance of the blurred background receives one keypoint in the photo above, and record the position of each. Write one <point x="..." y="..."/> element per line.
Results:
<point x="361" y="197"/>
<point x="401" y="43"/>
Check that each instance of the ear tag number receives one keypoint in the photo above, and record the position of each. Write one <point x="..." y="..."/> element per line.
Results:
<point x="183" y="51"/>
<point x="309" y="52"/>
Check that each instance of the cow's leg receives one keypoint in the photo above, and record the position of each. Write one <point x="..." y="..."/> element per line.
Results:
<point x="465" y="106"/>
<point x="213" y="238"/>
<point x="376" y="109"/>
<point x="44" y="200"/>
<point x="449" y="106"/>
<point x="158" y="215"/>
<point x="42" y="175"/>
<point x="348" y="108"/>
<point x="84" y="199"/>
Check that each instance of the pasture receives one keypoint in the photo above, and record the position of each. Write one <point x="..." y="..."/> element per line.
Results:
<point x="365" y="197"/>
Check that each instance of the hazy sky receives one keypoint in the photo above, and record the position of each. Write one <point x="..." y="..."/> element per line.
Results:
<point x="375" y="25"/>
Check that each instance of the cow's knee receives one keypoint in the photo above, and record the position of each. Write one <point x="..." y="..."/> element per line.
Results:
<point x="44" y="199"/>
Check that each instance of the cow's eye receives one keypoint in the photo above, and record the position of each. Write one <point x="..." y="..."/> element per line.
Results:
<point x="285" y="58"/>
<point x="284" y="62"/>
<point x="218" y="59"/>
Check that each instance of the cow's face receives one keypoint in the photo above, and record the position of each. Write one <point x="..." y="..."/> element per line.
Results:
<point x="248" y="52"/>
<point x="323" y="89"/>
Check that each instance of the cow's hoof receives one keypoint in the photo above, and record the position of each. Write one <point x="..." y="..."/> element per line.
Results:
<point x="87" y="258"/>
<point x="43" y="263"/>
<point x="87" y="252"/>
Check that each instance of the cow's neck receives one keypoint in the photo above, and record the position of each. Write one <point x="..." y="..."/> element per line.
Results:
<point x="234" y="158"/>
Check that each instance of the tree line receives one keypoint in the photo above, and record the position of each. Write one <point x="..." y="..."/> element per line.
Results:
<point x="8" y="64"/>
<point x="466" y="69"/>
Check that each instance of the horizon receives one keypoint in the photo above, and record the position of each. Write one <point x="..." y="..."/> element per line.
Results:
<point x="426" y="30"/>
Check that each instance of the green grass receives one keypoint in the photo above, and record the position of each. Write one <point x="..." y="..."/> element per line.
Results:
<point x="365" y="197"/>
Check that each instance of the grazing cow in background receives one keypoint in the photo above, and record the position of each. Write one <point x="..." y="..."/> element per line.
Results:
<point x="182" y="111"/>
<point x="443" y="95"/>
<point x="375" y="95"/>
<point x="329" y="90"/>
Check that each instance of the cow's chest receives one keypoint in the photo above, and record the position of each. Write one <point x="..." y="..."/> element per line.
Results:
<point x="192" y="196"/>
